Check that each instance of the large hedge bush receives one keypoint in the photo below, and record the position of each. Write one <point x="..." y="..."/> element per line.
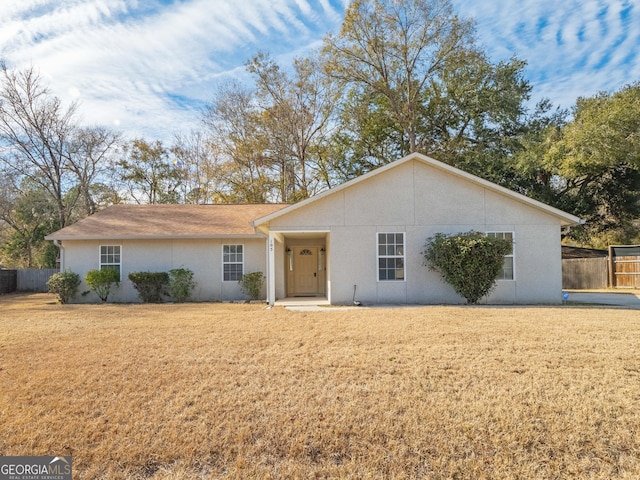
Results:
<point x="64" y="284"/>
<point x="101" y="281"/>
<point x="470" y="262"/>
<point x="151" y="286"/>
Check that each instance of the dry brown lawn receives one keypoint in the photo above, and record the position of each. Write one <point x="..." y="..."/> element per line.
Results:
<point x="201" y="391"/>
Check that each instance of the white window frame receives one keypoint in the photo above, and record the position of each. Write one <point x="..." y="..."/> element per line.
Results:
<point x="403" y="256"/>
<point x="232" y="263"/>
<point x="512" y="255"/>
<point x="107" y="264"/>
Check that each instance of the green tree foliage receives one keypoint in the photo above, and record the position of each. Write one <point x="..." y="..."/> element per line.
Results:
<point x="149" y="174"/>
<point x="590" y="166"/>
<point x="64" y="284"/>
<point x="30" y="214"/>
<point x="416" y="81"/>
<point x="470" y="262"/>
<point x="366" y="138"/>
<point x="102" y="281"/>
<point x="151" y="286"/>
<point x="473" y="114"/>
<point x="181" y="284"/>
<point x="396" y="49"/>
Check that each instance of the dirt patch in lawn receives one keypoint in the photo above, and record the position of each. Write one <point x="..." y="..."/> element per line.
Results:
<point x="238" y="391"/>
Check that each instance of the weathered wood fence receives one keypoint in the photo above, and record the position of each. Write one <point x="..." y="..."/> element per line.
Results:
<point x="621" y="269"/>
<point x="34" y="279"/>
<point x="26" y="280"/>
<point x="626" y="272"/>
<point x="585" y="273"/>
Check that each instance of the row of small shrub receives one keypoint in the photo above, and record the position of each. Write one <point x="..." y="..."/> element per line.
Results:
<point x="151" y="286"/>
<point x="178" y="283"/>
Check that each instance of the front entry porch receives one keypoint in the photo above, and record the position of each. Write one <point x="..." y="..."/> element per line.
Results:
<point x="298" y="268"/>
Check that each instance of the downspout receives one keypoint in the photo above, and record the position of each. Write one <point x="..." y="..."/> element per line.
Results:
<point x="58" y="244"/>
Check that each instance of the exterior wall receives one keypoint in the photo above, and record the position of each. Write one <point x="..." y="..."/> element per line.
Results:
<point x="421" y="200"/>
<point x="203" y="257"/>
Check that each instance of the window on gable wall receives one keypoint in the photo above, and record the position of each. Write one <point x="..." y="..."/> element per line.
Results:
<point x="390" y="256"/>
<point x="507" y="272"/>
<point x="232" y="262"/>
<point x="110" y="258"/>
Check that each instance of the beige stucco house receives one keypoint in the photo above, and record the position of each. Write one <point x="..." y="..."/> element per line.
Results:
<point x="365" y="235"/>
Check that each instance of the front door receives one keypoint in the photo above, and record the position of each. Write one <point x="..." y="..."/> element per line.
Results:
<point x="305" y="271"/>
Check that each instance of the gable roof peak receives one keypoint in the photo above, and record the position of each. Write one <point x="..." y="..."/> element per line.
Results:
<point x="565" y="218"/>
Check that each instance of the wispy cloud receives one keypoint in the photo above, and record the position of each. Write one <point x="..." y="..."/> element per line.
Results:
<point x="573" y="48"/>
<point x="147" y="65"/>
<point x="141" y="65"/>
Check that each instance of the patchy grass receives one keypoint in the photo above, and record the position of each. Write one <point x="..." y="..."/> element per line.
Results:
<point x="235" y="391"/>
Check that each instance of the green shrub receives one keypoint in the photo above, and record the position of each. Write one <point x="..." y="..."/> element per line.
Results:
<point x="181" y="284"/>
<point x="151" y="286"/>
<point x="64" y="284"/>
<point x="251" y="284"/>
<point x="470" y="262"/>
<point x="101" y="281"/>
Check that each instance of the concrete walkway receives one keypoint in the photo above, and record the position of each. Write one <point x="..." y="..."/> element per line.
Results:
<point x="628" y="300"/>
<point x="618" y="299"/>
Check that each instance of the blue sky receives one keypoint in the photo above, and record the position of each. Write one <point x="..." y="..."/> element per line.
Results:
<point x="145" y="67"/>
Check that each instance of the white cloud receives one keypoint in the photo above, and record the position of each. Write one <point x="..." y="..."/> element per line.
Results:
<point x="131" y="62"/>
<point x="573" y="48"/>
<point x="125" y="63"/>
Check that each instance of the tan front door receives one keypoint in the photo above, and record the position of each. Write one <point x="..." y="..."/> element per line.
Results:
<point x="305" y="271"/>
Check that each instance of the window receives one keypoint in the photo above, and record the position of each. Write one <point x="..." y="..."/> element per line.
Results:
<point x="390" y="256"/>
<point x="232" y="263"/>
<point x="110" y="258"/>
<point x="507" y="272"/>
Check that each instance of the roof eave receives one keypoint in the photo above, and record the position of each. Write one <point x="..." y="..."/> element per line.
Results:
<point x="153" y="237"/>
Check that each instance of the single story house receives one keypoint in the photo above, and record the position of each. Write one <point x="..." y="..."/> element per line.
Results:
<point x="364" y="237"/>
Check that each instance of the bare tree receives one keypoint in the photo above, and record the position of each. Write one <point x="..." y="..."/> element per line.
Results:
<point x="297" y="110"/>
<point x="35" y="132"/>
<point x="91" y="153"/>
<point x="240" y="146"/>
<point x="194" y="159"/>
<point x="49" y="165"/>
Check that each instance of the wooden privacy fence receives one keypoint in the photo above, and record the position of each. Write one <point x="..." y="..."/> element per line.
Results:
<point x="34" y="279"/>
<point x="621" y="269"/>
<point x="585" y="273"/>
<point x="624" y="271"/>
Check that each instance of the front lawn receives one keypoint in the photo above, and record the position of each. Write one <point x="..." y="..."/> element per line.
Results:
<point x="183" y="391"/>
